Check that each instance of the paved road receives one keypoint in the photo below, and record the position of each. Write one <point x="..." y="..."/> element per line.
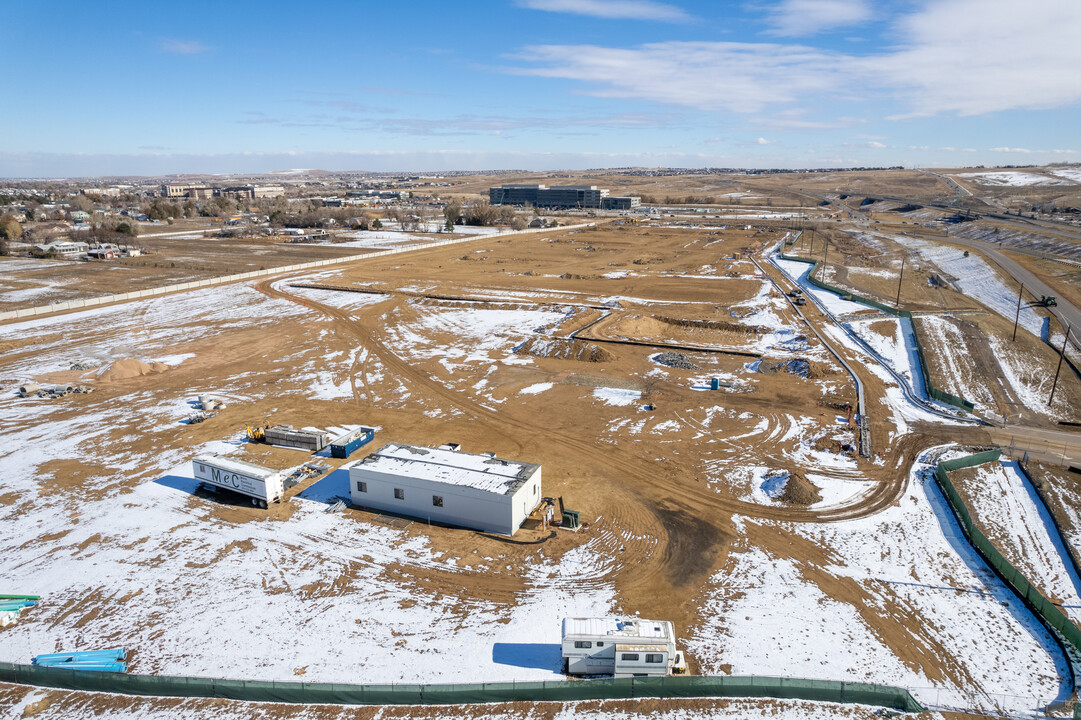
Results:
<point x="1045" y="444"/>
<point x="1066" y="312"/>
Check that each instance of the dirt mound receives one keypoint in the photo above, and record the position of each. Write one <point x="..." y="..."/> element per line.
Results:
<point x="129" y="368"/>
<point x="711" y="325"/>
<point x="564" y="350"/>
<point x="799" y="491"/>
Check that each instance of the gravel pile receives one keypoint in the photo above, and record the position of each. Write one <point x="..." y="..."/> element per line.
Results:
<point x="676" y="360"/>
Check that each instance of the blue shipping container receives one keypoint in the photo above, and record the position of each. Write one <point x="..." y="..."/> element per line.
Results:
<point x="345" y="446"/>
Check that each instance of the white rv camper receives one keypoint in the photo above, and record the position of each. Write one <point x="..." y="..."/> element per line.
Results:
<point x="623" y="647"/>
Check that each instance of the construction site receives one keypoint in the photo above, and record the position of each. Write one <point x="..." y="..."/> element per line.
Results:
<point x="806" y="434"/>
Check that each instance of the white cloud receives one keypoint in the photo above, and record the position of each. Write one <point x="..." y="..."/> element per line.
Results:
<point x="874" y="144"/>
<point x="763" y="141"/>
<point x="612" y="9"/>
<point x="796" y="18"/>
<point x="979" y="56"/>
<point x="182" y="47"/>
<point x="966" y="57"/>
<point x="1010" y="150"/>
<point x="740" y="77"/>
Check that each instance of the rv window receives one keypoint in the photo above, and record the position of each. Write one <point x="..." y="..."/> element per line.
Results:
<point x="600" y="644"/>
<point x="437" y="500"/>
<point x="362" y="486"/>
<point x="654" y="658"/>
<point x="629" y="656"/>
<point x="583" y="644"/>
<point x="399" y="494"/>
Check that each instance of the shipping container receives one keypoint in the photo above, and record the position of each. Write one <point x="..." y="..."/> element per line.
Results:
<point x="261" y="484"/>
<point x="343" y="446"/>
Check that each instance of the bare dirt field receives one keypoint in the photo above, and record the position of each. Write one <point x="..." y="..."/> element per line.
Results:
<point x="30" y="282"/>
<point x="747" y="515"/>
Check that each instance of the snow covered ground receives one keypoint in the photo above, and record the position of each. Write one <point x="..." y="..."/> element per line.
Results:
<point x="978" y="280"/>
<point x="1030" y="383"/>
<point x="139" y="560"/>
<point x="1071" y="173"/>
<point x="1010" y="513"/>
<point x="142" y="328"/>
<point x="835" y="304"/>
<point x="913" y="574"/>
<point x="895" y="349"/>
<point x="942" y="334"/>
<point x="1012" y="179"/>
<point x="164" y="571"/>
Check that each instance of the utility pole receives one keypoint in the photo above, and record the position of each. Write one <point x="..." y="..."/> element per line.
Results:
<point x="1059" y="368"/>
<point x="1018" y="315"/>
<point x="900" y="277"/>
<point x="826" y="252"/>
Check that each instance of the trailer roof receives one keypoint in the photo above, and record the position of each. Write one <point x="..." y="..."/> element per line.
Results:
<point x="239" y="466"/>
<point x="616" y="627"/>
<point x="480" y="472"/>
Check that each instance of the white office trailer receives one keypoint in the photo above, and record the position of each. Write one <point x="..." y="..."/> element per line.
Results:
<point x="261" y="484"/>
<point x="444" y="485"/>
<point x="623" y="647"/>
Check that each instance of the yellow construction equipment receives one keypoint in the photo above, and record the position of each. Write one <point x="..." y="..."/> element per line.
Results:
<point x="258" y="433"/>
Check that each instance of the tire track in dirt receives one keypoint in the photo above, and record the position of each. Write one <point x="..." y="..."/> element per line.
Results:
<point x="666" y="497"/>
<point x="648" y="474"/>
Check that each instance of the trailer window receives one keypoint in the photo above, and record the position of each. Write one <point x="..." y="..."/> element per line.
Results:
<point x="600" y="644"/>
<point x="629" y="656"/>
<point x="654" y="658"/>
<point x="583" y="644"/>
<point x="399" y="494"/>
<point x="437" y="500"/>
<point x="362" y="486"/>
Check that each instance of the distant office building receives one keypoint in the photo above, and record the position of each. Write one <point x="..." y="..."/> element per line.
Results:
<point x="560" y="196"/>
<point x="264" y="191"/>
<point x="204" y="192"/>
<point x="621" y="203"/>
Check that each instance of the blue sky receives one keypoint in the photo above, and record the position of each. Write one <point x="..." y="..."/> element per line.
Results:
<point x="152" y="88"/>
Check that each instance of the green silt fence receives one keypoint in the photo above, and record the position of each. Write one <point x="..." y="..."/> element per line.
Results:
<point x="932" y="391"/>
<point x="557" y="691"/>
<point x="1061" y="628"/>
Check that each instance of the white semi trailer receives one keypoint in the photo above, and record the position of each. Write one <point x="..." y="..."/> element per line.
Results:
<point x="261" y="484"/>
<point x="622" y="647"/>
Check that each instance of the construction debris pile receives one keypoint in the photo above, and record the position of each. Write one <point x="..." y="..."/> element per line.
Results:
<point x="52" y="392"/>
<point x="11" y="606"/>
<point x="206" y="407"/>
